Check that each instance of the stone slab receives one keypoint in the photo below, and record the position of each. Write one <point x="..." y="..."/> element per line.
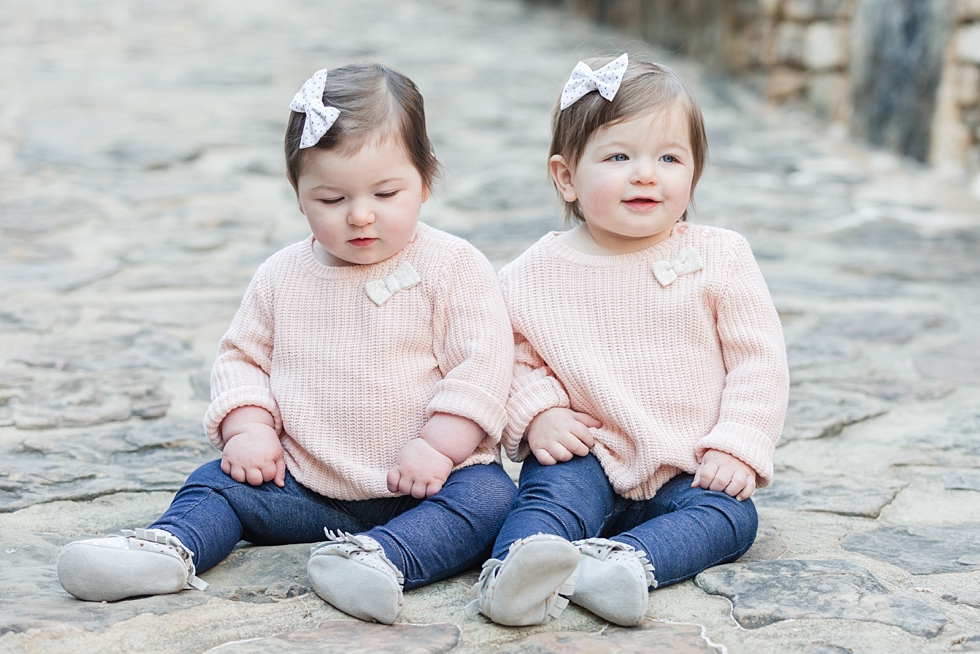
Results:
<point x="843" y="495"/>
<point x="898" y="390"/>
<point x="145" y="349"/>
<point x="819" y="351"/>
<point x="959" y="362"/>
<point x="820" y="412"/>
<point x="967" y="644"/>
<point x="967" y="598"/>
<point x="963" y="480"/>
<point x="650" y="637"/>
<point x="954" y="445"/>
<point x="82" y="464"/>
<point x="81" y="400"/>
<point x="880" y="327"/>
<point x="32" y="597"/>
<point x="769" y="543"/>
<point x="17" y="317"/>
<point x="352" y="636"/>
<point x="920" y="549"/>
<point x="768" y="592"/>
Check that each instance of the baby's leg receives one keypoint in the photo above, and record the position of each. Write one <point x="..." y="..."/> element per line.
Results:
<point x="685" y="530"/>
<point x="451" y="531"/>
<point x="208" y="516"/>
<point x="534" y="561"/>
<point x="572" y="499"/>
<point x="212" y="512"/>
<point x="428" y="540"/>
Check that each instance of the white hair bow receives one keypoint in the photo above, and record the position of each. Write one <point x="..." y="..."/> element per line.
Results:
<point x="319" y="118"/>
<point x="583" y="79"/>
<point x="687" y="261"/>
<point x="403" y="277"/>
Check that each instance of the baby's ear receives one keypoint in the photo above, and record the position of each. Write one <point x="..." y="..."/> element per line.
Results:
<point x="562" y="175"/>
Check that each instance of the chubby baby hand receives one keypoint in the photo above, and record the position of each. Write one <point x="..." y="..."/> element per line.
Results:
<point x="720" y="471"/>
<point x="254" y="455"/>
<point x="558" y="434"/>
<point x="420" y="470"/>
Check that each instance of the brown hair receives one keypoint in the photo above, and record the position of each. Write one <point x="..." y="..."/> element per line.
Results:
<point x="372" y="99"/>
<point x="646" y="87"/>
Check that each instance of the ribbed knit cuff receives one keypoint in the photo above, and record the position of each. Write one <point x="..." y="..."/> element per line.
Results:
<point x="230" y="400"/>
<point x="463" y="399"/>
<point x="745" y="443"/>
<point x="541" y="395"/>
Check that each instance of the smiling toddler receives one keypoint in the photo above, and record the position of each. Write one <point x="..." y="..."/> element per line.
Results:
<point x="650" y="379"/>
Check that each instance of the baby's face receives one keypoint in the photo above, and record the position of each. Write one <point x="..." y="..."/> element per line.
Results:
<point x="634" y="180"/>
<point x="362" y="208"/>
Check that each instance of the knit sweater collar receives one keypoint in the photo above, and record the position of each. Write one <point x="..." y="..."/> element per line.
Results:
<point x="662" y="250"/>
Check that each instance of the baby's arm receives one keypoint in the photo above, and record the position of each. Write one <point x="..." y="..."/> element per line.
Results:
<point x="720" y="471"/>
<point x="424" y="464"/>
<point x="472" y="343"/>
<point x="753" y="403"/>
<point x="558" y="434"/>
<point x="252" y="451"/>
<point x="243" y="419"/>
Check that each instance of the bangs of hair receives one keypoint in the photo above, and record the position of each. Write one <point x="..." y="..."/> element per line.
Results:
<point x="375" y="102"/>
<point x="647" y="87"/>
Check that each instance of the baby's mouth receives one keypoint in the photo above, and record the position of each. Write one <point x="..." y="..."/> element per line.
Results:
<point x="642" y="203"/>
<point x="361" y="242"/>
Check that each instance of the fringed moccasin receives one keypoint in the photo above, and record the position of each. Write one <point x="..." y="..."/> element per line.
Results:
<point x="527" y="587"/>
<point x="613" y="581"/>
<point x="140" y="562"/>
<point x="353" y="575"/>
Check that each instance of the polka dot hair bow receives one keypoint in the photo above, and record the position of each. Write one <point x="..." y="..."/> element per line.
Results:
<point x="309" y="101"/>
<point x="583" y="80"/>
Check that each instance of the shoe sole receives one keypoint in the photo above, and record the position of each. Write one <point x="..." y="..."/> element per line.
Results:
<point x="614" y="590"/>
<point x="527" y="580"/>
<point x="355" y="588"/>
<point x="107" y="574"/>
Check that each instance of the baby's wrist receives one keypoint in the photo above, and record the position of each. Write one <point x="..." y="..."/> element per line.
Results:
<point x="434" y="446"/>
<point x="258" y="428"/>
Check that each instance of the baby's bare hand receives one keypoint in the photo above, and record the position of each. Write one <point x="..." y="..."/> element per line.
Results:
<point x="254" y="455"/>
<point x="558" y="434"/>
<point x="420" y="470"/>
<point x="720" y="471"/>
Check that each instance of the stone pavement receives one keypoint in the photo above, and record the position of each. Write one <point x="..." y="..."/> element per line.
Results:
<point x="141" y="184"/>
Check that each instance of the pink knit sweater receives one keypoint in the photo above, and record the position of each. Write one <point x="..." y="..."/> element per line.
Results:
<point x="350" y="382"/>
<point x="671" y="371"/>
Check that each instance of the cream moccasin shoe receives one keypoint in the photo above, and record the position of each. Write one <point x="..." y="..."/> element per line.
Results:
<point x="526" y="588"/>
<point x="140" y="562"/>
<point x="613" y="581"/>
<point x="352" y="574"/>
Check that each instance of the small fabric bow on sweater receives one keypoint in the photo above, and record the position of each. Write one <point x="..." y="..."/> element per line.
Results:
<point x="381" y="290"/>
<point x="687" y="261"/>
<point x="583" y="80"/>
<point x="319" y="118"/>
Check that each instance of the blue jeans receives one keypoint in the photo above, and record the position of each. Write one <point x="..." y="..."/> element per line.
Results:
<point x="427" y="540"/>
<point x="683" y="530"/>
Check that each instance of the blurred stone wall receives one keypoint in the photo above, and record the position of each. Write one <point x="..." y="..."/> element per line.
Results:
<point x="902" y="74"/>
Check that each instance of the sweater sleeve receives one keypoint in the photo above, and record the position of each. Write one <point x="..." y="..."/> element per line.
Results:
<point x="753" y="404"/>
<point x="240" y="376"/>
<point x="534" y="389"/>
<point x="472" y="343"/>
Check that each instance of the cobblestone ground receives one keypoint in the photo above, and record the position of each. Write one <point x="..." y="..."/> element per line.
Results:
<point x="141" y="184"/>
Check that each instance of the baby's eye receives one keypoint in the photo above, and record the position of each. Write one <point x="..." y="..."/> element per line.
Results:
<point x="619" y="157"/>
<point x="331" y="200"/>
<point x="387" y="194"/>
<point x="668" y="158"/>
